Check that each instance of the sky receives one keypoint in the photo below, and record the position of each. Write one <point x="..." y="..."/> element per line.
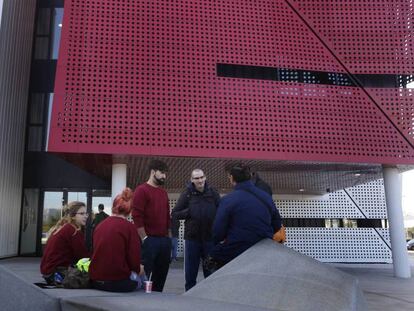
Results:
<point x="408" y="198"/>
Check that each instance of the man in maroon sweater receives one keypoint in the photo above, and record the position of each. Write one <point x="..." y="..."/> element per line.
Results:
<point x="151" y="214"/>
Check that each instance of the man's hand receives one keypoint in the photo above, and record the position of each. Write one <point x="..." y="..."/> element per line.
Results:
<point x="142" y="234"/>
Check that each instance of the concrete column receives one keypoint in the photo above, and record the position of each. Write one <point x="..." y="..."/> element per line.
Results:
<point x="393" y="195"/>
<point x="119" y="178"/>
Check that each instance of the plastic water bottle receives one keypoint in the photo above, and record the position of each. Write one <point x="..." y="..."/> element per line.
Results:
<point x="134" y="276"/>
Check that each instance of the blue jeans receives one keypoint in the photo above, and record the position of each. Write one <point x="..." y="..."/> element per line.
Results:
<point x="174" y="245"/>
<point x="155" y="255"/>
<point x="194" y="251"/>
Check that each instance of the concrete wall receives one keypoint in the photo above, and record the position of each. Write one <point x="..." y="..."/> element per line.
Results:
<point x="16" y="32"/>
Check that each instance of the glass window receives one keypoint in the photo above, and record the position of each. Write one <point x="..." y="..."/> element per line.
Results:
<point x="49" y="116"/>
<point x="41" y="48"/>
<point x="106" y="201"/>
<point x="35" y="138"/>
<point x="52" y="211"/>
<point x="77" y="196"/>
<point x="37" y="108"/>
<point x="43" y="22"/>
<point x="29" y="221"/>
<point x="56" y="32"/>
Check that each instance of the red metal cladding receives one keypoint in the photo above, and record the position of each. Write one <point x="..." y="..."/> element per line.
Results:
<point x="139" y="77"/>
<point x="398" y="104"/>
<point x="368" y="36"/>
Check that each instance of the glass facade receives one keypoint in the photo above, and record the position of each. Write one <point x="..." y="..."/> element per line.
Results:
<point x="48" y="31"/>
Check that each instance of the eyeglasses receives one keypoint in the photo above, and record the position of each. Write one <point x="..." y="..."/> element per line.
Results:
<point x="83" y="214"/>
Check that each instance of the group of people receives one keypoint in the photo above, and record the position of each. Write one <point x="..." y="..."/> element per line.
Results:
<point x="216" y="230"/>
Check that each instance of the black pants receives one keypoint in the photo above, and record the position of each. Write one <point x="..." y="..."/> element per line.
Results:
<point x="156" y="253"/>
<point x="121" y="286"/>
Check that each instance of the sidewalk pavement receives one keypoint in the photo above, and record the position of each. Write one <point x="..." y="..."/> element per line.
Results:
<point x="382" y="291"/>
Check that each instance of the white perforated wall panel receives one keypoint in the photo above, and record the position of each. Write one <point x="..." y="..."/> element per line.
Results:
<point x="370" y="198"/>
<point x="334" y="205"/>
<point x="340" y="244"/>
<point x="180" y="248"/>
<point x="363" y="201"/>
<point x="359" y="245"/>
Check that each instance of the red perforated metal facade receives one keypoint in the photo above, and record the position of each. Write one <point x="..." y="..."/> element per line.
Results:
<point x="139" y="77"/>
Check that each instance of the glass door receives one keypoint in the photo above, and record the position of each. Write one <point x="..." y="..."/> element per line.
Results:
<point x="28" y="227"/>
<point x="53" y="202"/>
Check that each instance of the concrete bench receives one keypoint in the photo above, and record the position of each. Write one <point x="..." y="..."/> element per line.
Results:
<point x="268" y="276"/>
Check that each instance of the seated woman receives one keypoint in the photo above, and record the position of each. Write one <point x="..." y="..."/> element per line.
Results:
<point x="66" y="242"/>
<point x="117" y="251"/>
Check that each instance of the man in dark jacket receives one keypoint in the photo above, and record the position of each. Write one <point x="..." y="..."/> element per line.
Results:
<point x="244" y="217"/>
<point x="100" y="216"/>
<point x="197" y="205"/>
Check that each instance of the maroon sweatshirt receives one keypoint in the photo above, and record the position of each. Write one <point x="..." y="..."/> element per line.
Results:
<point x="150" y="209"/>
<point x="116" y="250"/>
<point x="64" y="248"/>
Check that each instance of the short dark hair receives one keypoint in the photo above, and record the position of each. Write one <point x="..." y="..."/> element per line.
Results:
<point x="158" y="165"/>
<point x="101" y="207"/>
<point x="240" y="172"/>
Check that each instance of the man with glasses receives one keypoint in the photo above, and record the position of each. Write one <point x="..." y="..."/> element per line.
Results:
<point x="151" y="215"/>
<point x="197" y="205"/>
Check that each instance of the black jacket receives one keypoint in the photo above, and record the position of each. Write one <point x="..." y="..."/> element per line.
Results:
<point x="199" y="210"/>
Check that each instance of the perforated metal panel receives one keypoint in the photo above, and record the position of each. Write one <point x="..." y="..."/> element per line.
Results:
<point x="180" y="246"/>
<point x="398" y="105"/>
<point x="334" y="244"/>
<point x="367" y="36"/>
<point x="139" y="77"/>
<point x="336" y="205"/>
<point x="339" y="244"/>
<point x="363" y="201"/>
<point x="370" y="198"/>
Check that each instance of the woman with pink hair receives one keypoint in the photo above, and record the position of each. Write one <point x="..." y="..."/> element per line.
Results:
<point x="116" y="256"/>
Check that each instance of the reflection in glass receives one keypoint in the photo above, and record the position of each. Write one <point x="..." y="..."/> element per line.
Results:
<point x="35" y="138"/>
<point x="52" y="211"/>
<point x="57" y="16"/>
<point x="49" y="116"/>
<point x="29" y="221"/>
<point x="43" y="21"/>
<point x="77" y="196"/>
<point x="37" y="108"/>
<point x="41" y="48"/>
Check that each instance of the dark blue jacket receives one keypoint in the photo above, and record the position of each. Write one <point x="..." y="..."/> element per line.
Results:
<point x="198" y="209"/>
<point x="242" y="219"/>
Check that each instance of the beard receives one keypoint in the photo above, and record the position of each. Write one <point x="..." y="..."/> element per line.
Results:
<point x="159" y="181"/>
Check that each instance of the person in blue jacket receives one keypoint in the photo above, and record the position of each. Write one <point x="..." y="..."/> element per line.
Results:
<point x="244" y="217"/>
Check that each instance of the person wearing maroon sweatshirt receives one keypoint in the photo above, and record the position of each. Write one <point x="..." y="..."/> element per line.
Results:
<point x="66" y="242"/>
<point x="116" y="253"/>
<point x="151" y="214"/>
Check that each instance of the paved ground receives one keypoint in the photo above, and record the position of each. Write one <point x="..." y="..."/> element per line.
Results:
<point x="382" y="290"/>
